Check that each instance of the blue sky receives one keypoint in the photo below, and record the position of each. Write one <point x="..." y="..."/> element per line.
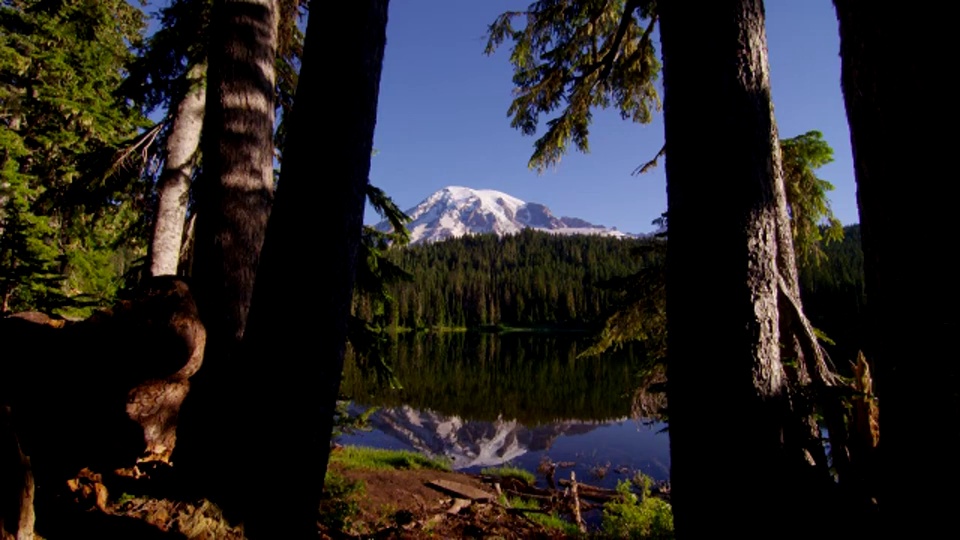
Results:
<point x="442" y="116"/>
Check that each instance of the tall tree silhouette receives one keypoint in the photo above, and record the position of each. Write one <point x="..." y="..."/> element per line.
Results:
<point x="728" y="316"/>
<point x="910" y="297"/>
<point x="297" y="391"/>
<point x="234" y="197"/>
<point x="744" y="341"/>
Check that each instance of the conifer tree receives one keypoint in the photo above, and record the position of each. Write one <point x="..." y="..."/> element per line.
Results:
<point x="554" y="56"/>
<point x="910" y="297"/>
<point x="301" y="385"/>
<point x="67" y="205"/>
<point x="574" y="56"/>
<point x="811" y="220"/>
<point x="170" y="74"/>
<point x="234" y="196"/>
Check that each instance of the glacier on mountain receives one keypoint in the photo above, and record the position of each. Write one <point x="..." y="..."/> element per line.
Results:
<point x="455" y="211"/>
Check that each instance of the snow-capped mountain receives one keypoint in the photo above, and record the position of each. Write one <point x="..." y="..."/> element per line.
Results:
<point x="455" y="211"/>
<point x="470" y="443"/>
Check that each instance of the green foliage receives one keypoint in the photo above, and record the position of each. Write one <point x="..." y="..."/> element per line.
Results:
<point x="522" y="475"/>
<point x="361" y="457"/>
<point x="632" y="516"/>
<point x="573" y="56"/>
<point x="535" y="378"/>
<point x="64" y="188"/>
<point x="640" y="313"/>
<point x="833" y="295"/>
<point x="811" y="219"/>
<point x="525" y="280"/>
<point x="29" y="260"/>
<point x="346" y="423"/>
<point x="340" y="502"/>
<point x="155" y="78"/>
<point x="550" y="521"/>
<point x="373" y="306"/>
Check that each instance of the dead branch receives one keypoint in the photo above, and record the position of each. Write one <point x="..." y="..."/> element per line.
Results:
<point x="646" y="167"/>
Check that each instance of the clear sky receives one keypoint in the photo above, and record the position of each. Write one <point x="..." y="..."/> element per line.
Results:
<point x="442" y="116"/>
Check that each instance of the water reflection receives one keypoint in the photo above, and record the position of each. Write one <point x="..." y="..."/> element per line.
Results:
<point x="485" y="400"/>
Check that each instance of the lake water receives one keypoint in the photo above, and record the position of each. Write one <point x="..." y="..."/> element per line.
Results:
<point x="486" y="400"/>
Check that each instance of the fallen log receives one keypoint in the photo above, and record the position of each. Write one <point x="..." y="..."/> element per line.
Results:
<point x="592" y="492"/>
<point x="462" y="491"/>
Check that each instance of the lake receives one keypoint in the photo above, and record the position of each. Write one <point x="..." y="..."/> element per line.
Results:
<point x="485" y="400"/>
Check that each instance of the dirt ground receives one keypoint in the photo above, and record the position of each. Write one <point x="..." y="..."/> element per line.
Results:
<point x="401" y="504"/>
<point x="395" y="503"/>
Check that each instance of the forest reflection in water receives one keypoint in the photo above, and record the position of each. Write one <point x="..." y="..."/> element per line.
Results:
<point x="515" y="398"/>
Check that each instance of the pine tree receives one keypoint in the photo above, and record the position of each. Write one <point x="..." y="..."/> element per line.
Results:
<point x="300" y="386"/>
<point x="753" y="290"/>
<point x="170" y="73"/>
<point x="575" y="56"/>
<point x="641" y="315"/>
<point x="65" y="195"/>
<point x="911" y="294"/>
<point x="234" y="197"/>
<point x="807" y="200"/>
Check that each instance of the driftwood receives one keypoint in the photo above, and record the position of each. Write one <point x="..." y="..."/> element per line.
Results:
<point x="592" y="492"/>
<point x="458" y="505"/>
<point x="462" y="491"/>
<point x="577" y="517"/>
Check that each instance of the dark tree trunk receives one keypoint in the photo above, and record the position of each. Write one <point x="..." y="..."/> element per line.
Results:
<point x="236" y="190"/>
<point x="234" y="196"/>
<point x="896" y="92"/>
<point x="182" y="147"/>
<point x="318" y="208"/>
<point x="729" y="406"/>
<point x="16" y="483"/>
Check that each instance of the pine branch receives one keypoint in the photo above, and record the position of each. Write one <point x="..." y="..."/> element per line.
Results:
<point x="650" y="164"/>
<point x="625" y="21"/>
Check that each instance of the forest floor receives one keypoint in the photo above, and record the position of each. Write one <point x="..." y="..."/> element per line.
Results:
<point x="368" y="494"/>
<point x="402" y="504"/>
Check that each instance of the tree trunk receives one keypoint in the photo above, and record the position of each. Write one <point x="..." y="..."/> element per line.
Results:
<point x="234" y="196"/>
<point x="892" y="93"/>
<point x="729" y="406"/>
<point x="183" y="143"/>
<point x="16" y="483"/>
<point x="298" y="388"/>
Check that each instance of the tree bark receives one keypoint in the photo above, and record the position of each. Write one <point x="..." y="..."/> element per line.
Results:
<point x="729" y="408"/>
<point x="237" y="187"/>
<point x="16" y="483"/>
<point x="183" y="144"/>
<point x="234" y="197"/>
<point x="894" y="95"/>
<point x="298" y="389"/>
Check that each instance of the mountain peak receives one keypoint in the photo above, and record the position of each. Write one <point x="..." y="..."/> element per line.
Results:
<point x="456" y="210"/>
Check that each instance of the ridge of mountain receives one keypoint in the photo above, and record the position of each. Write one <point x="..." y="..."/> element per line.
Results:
<point x="455" y="211"/>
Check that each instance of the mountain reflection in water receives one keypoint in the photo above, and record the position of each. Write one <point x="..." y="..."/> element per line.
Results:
<point x="486" y="400"/>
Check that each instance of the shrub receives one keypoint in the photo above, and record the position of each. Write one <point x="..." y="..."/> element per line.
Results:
<point x="631" y="516"/>
<point x="339" y="503"/>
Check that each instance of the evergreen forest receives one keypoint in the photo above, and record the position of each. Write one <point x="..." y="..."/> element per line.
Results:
<point x="539" y="280"/>
<point x="171" y="354"/>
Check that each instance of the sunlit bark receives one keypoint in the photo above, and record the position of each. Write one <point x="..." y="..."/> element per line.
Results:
<point x="183" y="144"/>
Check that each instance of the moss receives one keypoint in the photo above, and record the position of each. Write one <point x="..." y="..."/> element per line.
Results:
<point x="361" y="457"/>
<point x="523" y="475"/>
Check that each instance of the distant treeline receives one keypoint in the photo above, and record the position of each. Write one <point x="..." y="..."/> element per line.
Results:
<point x="529" y="279"/>
<point x="537" y="279"/>
<point x="833" y="295"/>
